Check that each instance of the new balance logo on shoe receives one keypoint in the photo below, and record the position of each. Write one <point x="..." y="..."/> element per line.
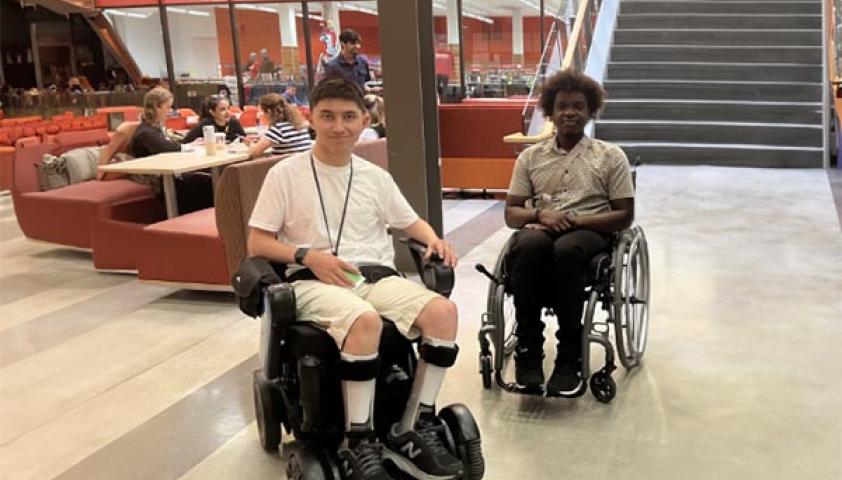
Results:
<point x="410" y="450"/>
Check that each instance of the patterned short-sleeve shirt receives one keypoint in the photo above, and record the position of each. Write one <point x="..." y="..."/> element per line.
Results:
<point x="583" y="180"/>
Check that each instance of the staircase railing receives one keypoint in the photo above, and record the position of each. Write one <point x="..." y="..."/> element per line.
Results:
<point x="833" y="61"/>
<point x="575" y="56"/>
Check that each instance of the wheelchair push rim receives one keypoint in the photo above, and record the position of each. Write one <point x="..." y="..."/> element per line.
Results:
<point x="501" y="308"/>
<point x="631" y="297"/>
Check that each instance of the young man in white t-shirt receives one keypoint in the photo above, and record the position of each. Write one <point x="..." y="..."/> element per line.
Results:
<point x="325" y="213"/>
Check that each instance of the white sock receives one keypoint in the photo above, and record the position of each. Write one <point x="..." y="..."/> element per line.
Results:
<point x="358" y="396"/>
<point x="425" y="389"/>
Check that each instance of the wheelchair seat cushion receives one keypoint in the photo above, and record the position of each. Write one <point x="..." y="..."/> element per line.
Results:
<point x="305" y="338"/>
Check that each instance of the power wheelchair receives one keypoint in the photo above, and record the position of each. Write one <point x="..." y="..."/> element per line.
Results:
<point x="618" y="283"/>
<point x="297" y="386"/>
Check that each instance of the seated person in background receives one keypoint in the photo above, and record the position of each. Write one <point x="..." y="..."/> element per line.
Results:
<point x="288" y="131"/>
<point x="303" y="223"/>
<point x="215" y="112"/>
<point x="291" y="96"/>
<point x="194" y="190"/>
<point x="377" y="111"/>
<point x="119" y="144"/>
<point x="568" y="193"/>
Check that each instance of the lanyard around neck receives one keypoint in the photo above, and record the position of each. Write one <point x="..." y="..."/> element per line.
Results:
<point x="334" y="251"/>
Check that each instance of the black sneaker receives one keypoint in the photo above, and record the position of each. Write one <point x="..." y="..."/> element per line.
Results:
<point x="421" y="453"/>
<point x="529" y="368"/>
<point x="566" y="379"/>
<point x="364" y="461"/>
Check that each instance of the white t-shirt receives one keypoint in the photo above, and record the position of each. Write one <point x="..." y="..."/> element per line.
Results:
<point x="289" y="205"/>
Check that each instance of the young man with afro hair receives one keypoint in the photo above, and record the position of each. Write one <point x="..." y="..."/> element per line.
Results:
<point x="567" y="195"/>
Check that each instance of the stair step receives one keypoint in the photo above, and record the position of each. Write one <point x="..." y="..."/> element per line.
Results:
<point x="807" y="38"/>
<point x="790" y="135"/>
<point x="719" y="21"/>
<point x="781" y="92"/>
<point x="724" y="155"/>
<point x="646" y="6"/>
<point x="713" y="71"/>
<point x="803" y="113"/>
<point x="696" y="53"/>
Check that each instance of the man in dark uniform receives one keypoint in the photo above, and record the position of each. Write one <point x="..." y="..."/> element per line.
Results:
<point x="349" y="63"/>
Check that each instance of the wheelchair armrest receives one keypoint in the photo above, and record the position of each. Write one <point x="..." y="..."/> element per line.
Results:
<point x="279" y="301"/>
<point x="436" y="276"/>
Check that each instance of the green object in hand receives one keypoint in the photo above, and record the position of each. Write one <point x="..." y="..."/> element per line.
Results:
<point x="355" y="278"/>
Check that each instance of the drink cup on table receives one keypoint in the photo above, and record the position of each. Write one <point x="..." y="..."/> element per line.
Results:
<point x="209" y="134"/>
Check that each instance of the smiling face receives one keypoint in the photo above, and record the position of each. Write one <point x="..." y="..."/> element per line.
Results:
<point x="338" y="123"/>
<point x="221" y="113"/>
<point x="571" y="113"/>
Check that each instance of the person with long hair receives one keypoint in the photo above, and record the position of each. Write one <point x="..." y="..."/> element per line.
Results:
<point x="377" y="110"/>
<point x="215" y="111"/>
<point x="288" y="131"/>
<point x="194" y="190"/>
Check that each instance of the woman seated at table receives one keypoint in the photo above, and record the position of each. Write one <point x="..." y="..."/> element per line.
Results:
<point x="194" y="190"/>
<point x="215" y="111"/>
<point x="288" y="131"/>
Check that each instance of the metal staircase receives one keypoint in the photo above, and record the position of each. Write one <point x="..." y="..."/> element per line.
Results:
<point x="718" y="82"/>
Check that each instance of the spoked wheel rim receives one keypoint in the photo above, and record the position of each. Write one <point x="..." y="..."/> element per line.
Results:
<point x="631" y="298"/>
<point x="509" y="341"/>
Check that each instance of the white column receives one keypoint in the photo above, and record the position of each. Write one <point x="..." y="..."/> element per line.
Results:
<point x="330" y="12"/>
<point x="517" y="35"/>
<point x="289" y="36"/>
<point x="452" y="23"/>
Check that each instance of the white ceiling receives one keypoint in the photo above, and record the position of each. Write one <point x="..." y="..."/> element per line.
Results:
<point x="487" y="8"/>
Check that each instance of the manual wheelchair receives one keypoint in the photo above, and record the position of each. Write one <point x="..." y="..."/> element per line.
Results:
<point x="297" y="386"/>
<point x="618" y="284"/>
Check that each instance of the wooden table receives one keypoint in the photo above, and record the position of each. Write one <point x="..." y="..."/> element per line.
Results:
<point x="168" y="165"/>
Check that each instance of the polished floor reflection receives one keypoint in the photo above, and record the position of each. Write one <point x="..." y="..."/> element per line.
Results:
<point x="105" y="377"/>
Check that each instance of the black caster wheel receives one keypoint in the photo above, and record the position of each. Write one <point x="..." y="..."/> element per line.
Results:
<point x="603" y="386"/>
<point x="265" y="408"/>
<point x="303" y="464"/>
<point x="485" y="370"/>
<point x="464" y="439"/>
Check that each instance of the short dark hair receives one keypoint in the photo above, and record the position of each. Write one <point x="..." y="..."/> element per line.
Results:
<point x="572" y="81"/>
<point x="337" y="87"/>
<point x="349" y="36"/>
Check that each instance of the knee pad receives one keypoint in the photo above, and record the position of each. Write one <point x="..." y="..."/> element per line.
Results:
<point x="359" y="371"/>
<point x="443" y="357"/>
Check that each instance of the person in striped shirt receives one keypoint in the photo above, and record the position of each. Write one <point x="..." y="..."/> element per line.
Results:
<point x="288" y="132"/>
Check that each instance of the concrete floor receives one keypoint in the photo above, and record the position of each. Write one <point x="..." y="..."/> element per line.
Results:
<point x="104" y="377"/>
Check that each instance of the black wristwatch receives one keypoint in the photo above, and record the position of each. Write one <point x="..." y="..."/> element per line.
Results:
<point x="300" y="254"/>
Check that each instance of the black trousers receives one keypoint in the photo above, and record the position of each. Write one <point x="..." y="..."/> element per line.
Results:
<point x="550" y="270"/>
<point x="194" y="191"/>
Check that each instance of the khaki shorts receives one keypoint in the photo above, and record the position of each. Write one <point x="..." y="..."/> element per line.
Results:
<point x="336" y="308"/>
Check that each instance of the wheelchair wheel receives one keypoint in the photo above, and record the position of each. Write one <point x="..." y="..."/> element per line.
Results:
<point x="464" y="440"/>
<point x="304" y="464"/>
<point x="265" y="408"/>
<point x="631" y="296"/>
<point x="501" y="308"/>
<point x="603" y="386"/>
<point x="485" y="369"/>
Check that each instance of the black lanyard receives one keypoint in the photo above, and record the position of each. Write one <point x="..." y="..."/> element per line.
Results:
<point x="334" y="251"/>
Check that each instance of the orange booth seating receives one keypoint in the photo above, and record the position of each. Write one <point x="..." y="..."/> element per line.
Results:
<point x="473" y="154"/>
<point x="66" y="215"/>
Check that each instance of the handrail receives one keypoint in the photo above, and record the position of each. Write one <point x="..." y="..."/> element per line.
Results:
<point x="832" y="67"/>
<point x="574" y="57"/>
